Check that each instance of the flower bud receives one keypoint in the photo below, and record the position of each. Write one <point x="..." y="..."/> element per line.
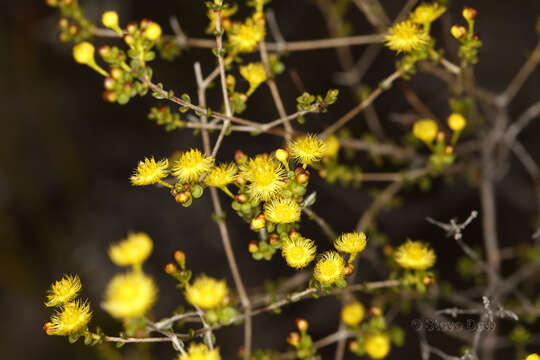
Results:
<point x="170" y="268"/>
<point x="388" y="250"/>
<point x="253" y="247"/>
<point x="73" y="29"/>
<point x="63" y="23"/>
<point x="131" y="27"/>
<point x="469" y="13"/>
<point x="301" y="324"/>
<point x="427" y="280"/>
<point x="83" y="53"/>
<point x="104" y="50"/>
<point x="354" y="346"/>
<point x="110" y="20"/>
<point x="110" y="96"/>
<point x="129" y="39"/>
<point x="456" y="122"/>
<point x="282" y="155"/>
<point x="241" y="198"/>
<point x="293" y="338"/>
<point x="47" y="327"/>
<point x="230" y="81"/>
<point x="108" y="83"/>
<point x="448" y="149"/>
<point x="293" y="232"/>
<point x="273" y="239"/>
<point x="349" y="269"/>
<point x="323" y="173"/>
<point x="375" y="311"/>
<point x="441" y="135"/>
<point x="117" y="73"/>
<point x="302" y="175"/>
<point x="458" y="31"/>
<point x="240" y="157"/>
<point x="183" y="197"/>
<point x="180" y="257"/>
<point x="258" y="222"/>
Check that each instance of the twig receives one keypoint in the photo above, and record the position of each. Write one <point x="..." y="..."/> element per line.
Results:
<point x="523" y="74"/>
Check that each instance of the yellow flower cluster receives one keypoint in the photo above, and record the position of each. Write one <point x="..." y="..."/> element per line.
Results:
<point x="245" y="37"/>
<point x="131" y="294"/>
<point x="131" y="251"/>
<point x="406" y="36"/>
<point x="377" y="345"/>
<point x="307" y="149"/>
<point x="207" y="292"/>
<point x="298" y="251"/>
<point x="191" y="165"/>
<point x="255" y="74"/>
<point x="72" y="315"/>
<point x="425" y="130"/>
<point x="427" y="13"/>
<point x="282" y="211"/>
<point x="266" y="176"/>
<point x="353" y="313"/>
<point x="330" y="268"/>
<point x="415" y="255"/>
<point x="200" y="352"/>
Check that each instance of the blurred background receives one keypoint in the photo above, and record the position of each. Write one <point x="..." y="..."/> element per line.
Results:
<point x="66" y="156"/>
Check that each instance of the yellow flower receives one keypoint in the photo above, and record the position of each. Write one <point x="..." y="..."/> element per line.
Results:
<point x="425" y="130"/>
<point x="70" y="319"/>
<point x="150" y="172"/>
<point x="282" y="211"/>
<point x="534" y="356"/>
<point x="83" y="53"/>
<point x="152" y="31"/>
<point x="377" y="346"/>
<point x="427" y="13"/>
<point x="200" y="352"/>
<point x="266" y="176"/>
<point x="221" y="175"/>
<point x="206" y="292"/>
<point x="456" y="122"/>
<point x="415" y="255"/>
<point x="244" y="37"/>
<point x="406" y="36"/>
<point x="255" y="74"/>
<point x="191" y="165"/>
<point x="63" y="291"/>
<point x="298" y="251"/>
<point x="129" y="295"/>
<point x="351" y="242"/>
<point x="307" y="149"/>
<point x="331" y="146"/>
<point x="353" y="313"/>
<point x="330" y="268"/>
<point x="131" y="251"/>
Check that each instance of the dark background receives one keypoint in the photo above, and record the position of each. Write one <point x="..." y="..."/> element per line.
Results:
<point x="66" y="155"/>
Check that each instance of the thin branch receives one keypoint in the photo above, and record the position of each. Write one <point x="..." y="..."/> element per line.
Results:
<point x="523" y="74"/>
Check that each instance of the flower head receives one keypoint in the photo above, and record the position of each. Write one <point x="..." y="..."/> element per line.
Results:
<point x="351" y="242"/>
<point x="377" y="346"/>
<point x="206" y="292"/>
<point x="63" y="291"/>
<point x="456" y="122"/>
<point x="191" y="165"/>
<point x="131" y="251"/>
<point x="307" y="149"/>
<point x="425" y="130"/>
<point x="415" y="255"/>
<point x="330" y="268"/>
<point x="255" y="74"/>
<point x="353" y="313"/>
<point x="282" y="211"/>
<point x="427" y="13"/>
<point x="266" y="176"/>
<point x="129" y="295"/>
<point x="221" y="175"/>
<point x="200" y="352"/>
<point x="406" y="36"/>
<point x="534" y="356"/>
<point x="245" y="37"/>
<point x="298" y="251"/>
<point x="110" y="19"/>
<point x="331" y="147"/>
<point x="150" y="172"/>
<point x="70" y="319"/>
<point x="83" y="53"/>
